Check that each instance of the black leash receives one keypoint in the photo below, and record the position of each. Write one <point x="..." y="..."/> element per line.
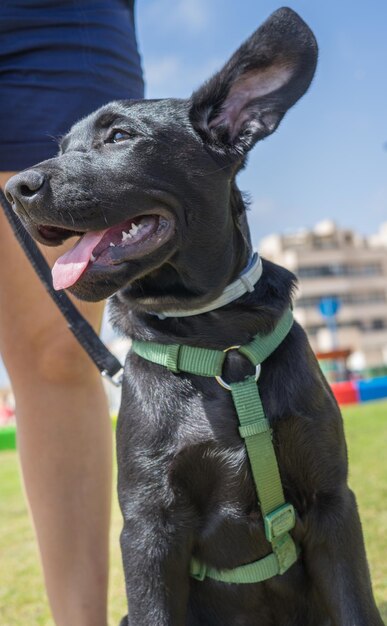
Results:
<point x="108" y="365"/>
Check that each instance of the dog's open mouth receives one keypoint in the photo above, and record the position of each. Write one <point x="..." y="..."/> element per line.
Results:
<point x="129" y="240"/>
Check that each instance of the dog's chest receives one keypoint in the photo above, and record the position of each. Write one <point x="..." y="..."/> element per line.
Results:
<point x="189" y="428"/>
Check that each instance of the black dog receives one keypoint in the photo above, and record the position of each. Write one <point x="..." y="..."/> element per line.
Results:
<point x="168" y="169"/>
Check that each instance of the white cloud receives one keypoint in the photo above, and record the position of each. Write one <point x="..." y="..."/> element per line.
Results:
<point x="169" y="76"/>
<point x="160" y="72"/>
<point x="192" y="16"/>
<point x="262" y="210"/>
<point x="377" y="202"/>
<point x="263" y="206"/>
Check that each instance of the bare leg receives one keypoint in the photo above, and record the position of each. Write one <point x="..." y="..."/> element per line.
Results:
<point x="64" y="437"/>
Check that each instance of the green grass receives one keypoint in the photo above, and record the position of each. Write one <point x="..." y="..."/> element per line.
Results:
<point x="22" y="596"/>
<point x="366" y="431"/>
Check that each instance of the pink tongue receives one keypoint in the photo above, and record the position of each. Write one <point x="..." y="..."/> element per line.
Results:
<point x="71" y="265"/>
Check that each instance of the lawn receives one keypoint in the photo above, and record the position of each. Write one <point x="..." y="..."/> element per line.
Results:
<point x="22" y="598"/>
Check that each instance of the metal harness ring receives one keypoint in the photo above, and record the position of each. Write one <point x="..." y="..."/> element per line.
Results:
<point x="223" y="383"/>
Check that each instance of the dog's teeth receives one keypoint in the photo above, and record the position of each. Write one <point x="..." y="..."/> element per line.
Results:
<point x="112" y="245"/>
<point x="92" y="258"/>
<point x="132" y="232"/>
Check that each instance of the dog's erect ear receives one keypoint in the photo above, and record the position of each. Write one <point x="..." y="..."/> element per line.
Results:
<point x="247" y="99"/>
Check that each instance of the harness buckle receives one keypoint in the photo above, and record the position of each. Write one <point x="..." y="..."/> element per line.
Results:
<point x="286" y="552"/>
<point x="279" y="521"/>
<point x="116" y="379"/>
<point x="223" y="383"/>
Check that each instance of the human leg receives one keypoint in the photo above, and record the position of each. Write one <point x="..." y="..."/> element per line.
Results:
<point x="64" y="437"/>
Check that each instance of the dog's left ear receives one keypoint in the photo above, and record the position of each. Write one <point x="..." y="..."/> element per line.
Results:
<point x="247" y="99"/>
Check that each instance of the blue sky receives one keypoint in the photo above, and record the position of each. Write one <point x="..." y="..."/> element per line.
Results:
<point x="327" y="159"/>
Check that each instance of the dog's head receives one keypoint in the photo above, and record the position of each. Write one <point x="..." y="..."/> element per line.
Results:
<point x="149" y="186"/>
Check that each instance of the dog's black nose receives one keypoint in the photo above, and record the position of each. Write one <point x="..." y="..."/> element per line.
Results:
<point x="24" y="186"/>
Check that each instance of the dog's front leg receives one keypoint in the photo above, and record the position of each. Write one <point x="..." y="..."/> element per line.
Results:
<point x="336" y="561"/>
<point x="156" y="557"/>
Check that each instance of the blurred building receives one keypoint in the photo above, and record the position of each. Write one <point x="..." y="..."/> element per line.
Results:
<point x="339" y="263"/>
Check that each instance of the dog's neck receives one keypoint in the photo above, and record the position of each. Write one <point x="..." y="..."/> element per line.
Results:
<point x="237" y="322"/>
<point x="245" y="283"/>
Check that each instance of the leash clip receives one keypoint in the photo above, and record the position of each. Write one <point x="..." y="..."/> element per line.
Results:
<point x="223" y="383"/>
<point x="116" y="379"/>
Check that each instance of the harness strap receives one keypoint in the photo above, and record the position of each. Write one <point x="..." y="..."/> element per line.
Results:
<point x="254" y="428"/>
<point x="205" y="362"/>
<point x="179" y="358"/>
<point x="278" y="516"/>
<point x="263" y="346"/>
<point x="255" y="572"/>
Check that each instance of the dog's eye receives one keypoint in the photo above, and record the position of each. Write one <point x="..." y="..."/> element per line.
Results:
<point x="117" y="136"/>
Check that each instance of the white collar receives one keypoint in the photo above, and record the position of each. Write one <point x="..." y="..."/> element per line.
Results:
<point x="244" y="283"/>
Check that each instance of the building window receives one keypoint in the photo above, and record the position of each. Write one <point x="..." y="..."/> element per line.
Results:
<point x="337" y="269"/>
<point x="378" y="324"/>
<point x="372" y="297"/>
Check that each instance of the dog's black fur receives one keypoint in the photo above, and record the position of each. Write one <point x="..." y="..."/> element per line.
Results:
<point x="184" y="484"/>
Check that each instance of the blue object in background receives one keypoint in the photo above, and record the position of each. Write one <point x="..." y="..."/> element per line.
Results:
<point x="329" y="306"/>
<point x="374" y="389"/>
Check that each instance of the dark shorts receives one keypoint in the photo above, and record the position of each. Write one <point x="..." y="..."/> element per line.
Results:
<point x="59" y="61"/>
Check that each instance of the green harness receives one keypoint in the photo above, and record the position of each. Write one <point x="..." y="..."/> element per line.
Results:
<point x="278" y="516"/>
